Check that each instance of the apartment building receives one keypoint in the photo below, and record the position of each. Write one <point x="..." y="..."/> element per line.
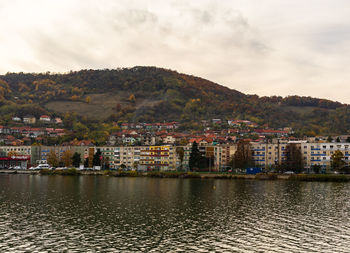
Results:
<point x="108" y="155"/>
<point x="126" y="156"/>
<point x="320" y="153"/>
<point x="223" y="155"/>
<point x="40" y="153"/>
<point x="16" y="150"/>
<point x="160" y="158"/>
<point x="268" y="155"/>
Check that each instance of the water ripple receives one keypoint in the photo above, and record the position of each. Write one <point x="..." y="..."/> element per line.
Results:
<point x="101" y="214"/>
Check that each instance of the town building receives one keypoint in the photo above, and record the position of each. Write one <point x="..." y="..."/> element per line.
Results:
<point x="45" y="118"/>
<point x="29" y="119"/>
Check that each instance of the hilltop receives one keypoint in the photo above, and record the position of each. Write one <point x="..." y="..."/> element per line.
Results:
<point x="150" y="94"/>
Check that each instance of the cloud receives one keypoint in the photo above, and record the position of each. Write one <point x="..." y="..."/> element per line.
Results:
<point x="281" y="47"/>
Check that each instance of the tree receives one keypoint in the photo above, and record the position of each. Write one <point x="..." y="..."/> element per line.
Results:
<point x="180" y="153"/>
<point x="88" y="99"/>
<point x="197" y="161"/>
<point x="74" y="98"/>
<point x="132" y="98"/>
<point x="135" y="165"/>
<point x="86" y="162"/>
<point x="67" y="158"/>
<point x="293" y="159"/>
<point x="194" y="156"/>
<point x="329" y="139"/>
<point x="76" y="159"/>
<point x="12" y="153"/>
<point x="316" y="168"/>
<point x="52" y="158"/>
<point x="105" y="163"/>
<point x="337" y="161"/>
<point x="97" y="158"/>
<point x="338" y="139"/>
<point x="243" y="155"/>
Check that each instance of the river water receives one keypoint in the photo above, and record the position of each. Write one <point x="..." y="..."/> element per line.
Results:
<point x="88" y="213"/>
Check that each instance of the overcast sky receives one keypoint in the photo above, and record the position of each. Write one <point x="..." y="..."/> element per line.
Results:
<point x="269" y="47"/>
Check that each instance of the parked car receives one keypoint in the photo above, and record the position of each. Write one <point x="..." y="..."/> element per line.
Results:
<point x="289" y="172"/>
<point x="43" y="166"/>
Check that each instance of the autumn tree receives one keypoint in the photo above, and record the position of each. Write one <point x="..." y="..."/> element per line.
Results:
<point x="337" y="160"/>
<point x="67" y="158"/>
<point x="74" y="98"/>
<point x="243" y="155"/>
<point x="52" y="158"/>
<point x="118" y="107"/>
<point x="293" y="158"/>
<point x="132" y="98"/>
<point x="180" y="153"/>
<point x="12" y="153"/>
<point x="88" y="99"/>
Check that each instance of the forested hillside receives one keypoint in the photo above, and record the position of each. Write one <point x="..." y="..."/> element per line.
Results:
<point x="150" y="94"/>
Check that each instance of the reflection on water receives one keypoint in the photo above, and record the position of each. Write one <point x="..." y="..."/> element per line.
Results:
<point x="39" y="213"/>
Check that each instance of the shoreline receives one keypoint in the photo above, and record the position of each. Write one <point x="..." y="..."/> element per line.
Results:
<point x="184" y="175"/>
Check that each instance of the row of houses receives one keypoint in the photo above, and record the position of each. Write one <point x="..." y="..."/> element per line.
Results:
<point x="151" y="126"/>
<point x="166" y="157"/>
<point x="29" y="119"/>
<point x="32" y="132"/>
<point x="225" y="136"/>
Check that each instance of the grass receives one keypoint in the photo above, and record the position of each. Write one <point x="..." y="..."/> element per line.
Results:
<point x="100" y="107"/>
<point x="68" y="172"/>
<point x="175" y="174"/>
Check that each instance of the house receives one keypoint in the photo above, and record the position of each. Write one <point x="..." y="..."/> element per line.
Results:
<point x="58" y="121"/>
<point x="4" y="130"/>
<point x="45" y="118"/>
<point x="277" y="133"/>
<point x="216" y="121"/>
<point x="125" y="126"/>
<point x="241" y="123"/>
<point x="201" y="141"/>
<point x="29" y="119"/>
<point x="15" y="118"/>
<point x="169" y="139"/>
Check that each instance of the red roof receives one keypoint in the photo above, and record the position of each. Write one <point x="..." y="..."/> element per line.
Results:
<point x="270" y="131"/>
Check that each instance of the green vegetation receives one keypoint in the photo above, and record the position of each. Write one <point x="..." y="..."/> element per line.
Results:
<point x="90" y="100"/>
<point x="67" y="172"/>
<point x="173" y="174"/>
<point x="76" y="160"/>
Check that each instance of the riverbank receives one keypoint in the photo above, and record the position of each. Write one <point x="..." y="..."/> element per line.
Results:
<point x="199" y="175"/>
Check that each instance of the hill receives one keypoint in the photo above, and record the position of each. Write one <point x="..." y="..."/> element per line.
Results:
<point x="152" y="94"/>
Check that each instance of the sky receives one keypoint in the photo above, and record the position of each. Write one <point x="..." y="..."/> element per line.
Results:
<point x="270" y="47"/>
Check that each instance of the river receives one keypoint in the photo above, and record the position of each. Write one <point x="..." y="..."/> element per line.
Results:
<point x="107" y="214"/>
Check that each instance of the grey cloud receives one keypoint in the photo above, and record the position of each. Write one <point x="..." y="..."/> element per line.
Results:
<point x="264" y="49"/>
